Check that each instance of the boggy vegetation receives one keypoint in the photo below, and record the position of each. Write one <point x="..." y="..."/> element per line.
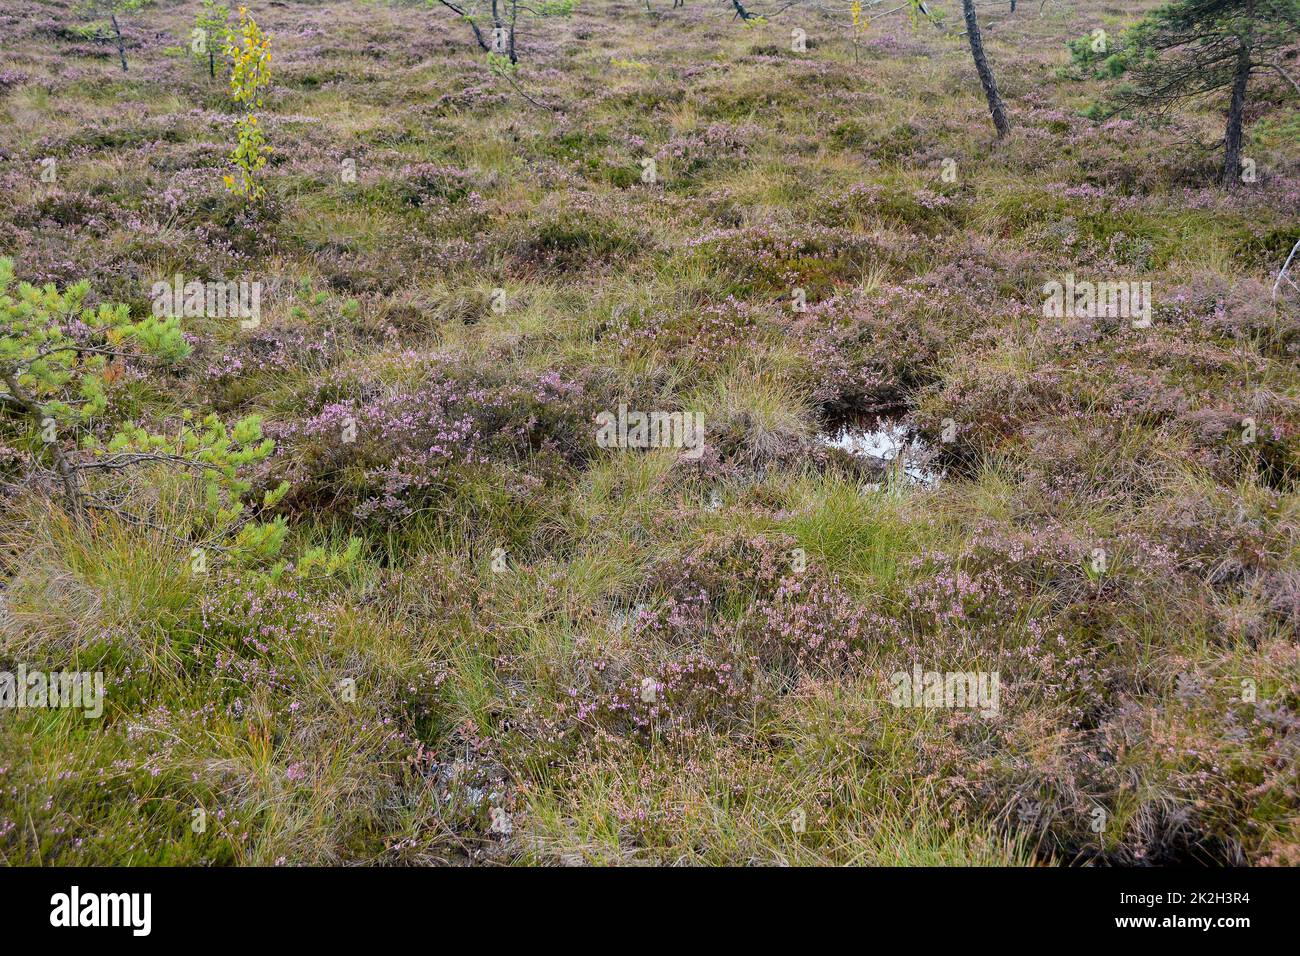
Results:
<point x="406" y="610"/>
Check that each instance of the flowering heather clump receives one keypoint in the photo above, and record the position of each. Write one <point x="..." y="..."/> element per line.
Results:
<point x="707" y="338"/>
<point x="729" y="592"/>
<point x="412" y="438"/>
<point x="248" y="623"/>
<point x="918" y="210"/>
<point x="395" y="448"/>
<point x="962" y="596"/>
<point x="675" y="702"/>
<point x="580" y="235"/>
<point x="1241" y="310"/>
<point x="812" y="624"/>
<point x="725" y="570"/>
<point x="773" y="258"/>
<point x="791" y="616"/>
<point x="276" y="349"/>
<point x="692" y="152"/>
<point x="1280" y="591"/>
<point x="425" y="182"/>
<point x="868" y="351"/>
<point x="58" y="208"/>
<point x="982" y="275"/>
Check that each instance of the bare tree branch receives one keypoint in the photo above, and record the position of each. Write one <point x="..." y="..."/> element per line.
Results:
<point x="1284" y="74"/>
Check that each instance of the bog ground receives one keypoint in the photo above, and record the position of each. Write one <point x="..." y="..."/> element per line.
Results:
<point x="449" y="625"/>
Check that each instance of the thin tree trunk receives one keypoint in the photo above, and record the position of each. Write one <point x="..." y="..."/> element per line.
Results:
<point x="990" y="85"/>
<point x="66" y="472"/>
<point x="121" y="46"/>
<point x="1285" y="75"/>
<point x="1237" y="107"/>
<point x="514" y="16"/>
<point x="478" y="34"/>
<point x="212" y="63"/>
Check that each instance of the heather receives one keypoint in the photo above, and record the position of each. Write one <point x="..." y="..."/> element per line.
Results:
<point x="435" y="622"/>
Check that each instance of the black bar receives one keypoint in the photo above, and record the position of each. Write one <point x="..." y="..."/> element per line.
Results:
<point x="365" y="904"/>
